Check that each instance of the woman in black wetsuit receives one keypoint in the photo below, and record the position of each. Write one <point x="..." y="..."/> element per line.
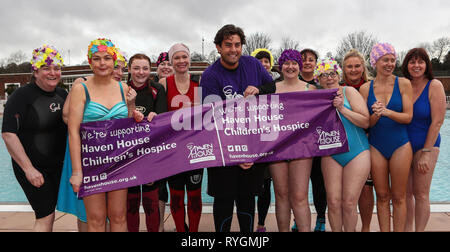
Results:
<point x="309" y="57"/>
<point x="151" y="97"/>
<point x="35" y="135"/>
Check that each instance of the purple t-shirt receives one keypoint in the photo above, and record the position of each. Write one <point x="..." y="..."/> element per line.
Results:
<point x="229" y="84"/>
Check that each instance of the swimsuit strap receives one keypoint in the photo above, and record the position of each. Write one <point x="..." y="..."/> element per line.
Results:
<point x="121" y="91"/>
<point x="395" y="94"/>
<point x="370" y="98"/>
<point x="423" y="95"/>
<point x="346" y="101"/>
<point x="343" y="91"/>
<point x="427" y="88"/>
<point x="371" y="89"/>
<point x="396" y="86"/>
<point x="88" y="98"/>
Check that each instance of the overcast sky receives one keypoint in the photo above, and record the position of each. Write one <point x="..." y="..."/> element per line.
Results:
<point x="152" y="26"/>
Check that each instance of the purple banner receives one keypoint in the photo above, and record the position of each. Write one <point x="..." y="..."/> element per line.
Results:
<point x="121" y="153"/>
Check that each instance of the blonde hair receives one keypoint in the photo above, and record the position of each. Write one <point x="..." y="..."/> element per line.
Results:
<point x="355" y="53"/>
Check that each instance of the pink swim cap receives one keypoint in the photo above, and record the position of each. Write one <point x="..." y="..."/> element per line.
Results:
<point x="379" y="50"/>
<point x="179" y="47"/>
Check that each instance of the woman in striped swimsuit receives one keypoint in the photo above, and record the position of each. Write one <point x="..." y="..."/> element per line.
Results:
<point x="99" y="98"/>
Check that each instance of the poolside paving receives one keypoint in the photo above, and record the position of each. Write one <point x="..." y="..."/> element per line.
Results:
<point x="23" y="222"/>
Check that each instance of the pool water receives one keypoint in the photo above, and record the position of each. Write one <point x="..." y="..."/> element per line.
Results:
<point x="10" y="191"/>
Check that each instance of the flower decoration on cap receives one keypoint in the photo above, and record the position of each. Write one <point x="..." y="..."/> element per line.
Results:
<point x="379" y="50"/>
<point x="102" y="45"/>
<point x="121" y="57"/>
<point x="164" y="56"/>
<point x="46" y="56"/>
<point x="290" y="54"/>
<point x="255" y="52"/>
<point x="326" y="64"/>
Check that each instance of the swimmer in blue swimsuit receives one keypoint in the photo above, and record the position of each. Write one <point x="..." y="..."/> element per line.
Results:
<point x="423" y="132"/>
<point x="387" y="135"/>
<point x="389" y="100"/>
<point x="355" y="74"/>
<point x="356" y="136"/>
<point x="345" y="174"/>
<point x="418" y="128"/>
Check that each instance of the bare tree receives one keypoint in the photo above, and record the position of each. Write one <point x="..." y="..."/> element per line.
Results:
<point x="212" y="56"/>
<point x="255" y="41"/>
<point x="195" y="56"/>
<point x="286" y="43"/>
<point x="154" y="57"/>
<point x="440" y="48"/>
<point x="446" y="63"/>
<point x="17" y="57"/>
<point x="401" y="57"/>
<point x="427" y="46"/>
<point x="2" y="63"/>
<point x="359" y="40"/>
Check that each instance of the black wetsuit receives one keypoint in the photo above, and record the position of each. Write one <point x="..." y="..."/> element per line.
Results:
<point x="35" y="116"/>
<point x="148" y="99"/>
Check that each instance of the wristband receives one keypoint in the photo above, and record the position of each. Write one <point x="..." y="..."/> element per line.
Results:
<point x="426" y="150"/>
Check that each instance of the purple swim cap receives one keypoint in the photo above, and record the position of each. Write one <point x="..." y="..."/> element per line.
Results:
<point x="290" y="54"/>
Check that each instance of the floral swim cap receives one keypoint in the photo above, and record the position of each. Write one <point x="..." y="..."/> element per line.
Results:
<point x="102" y="45"/>
<point x="121" y="56"/>
<point x="379" y="50"/>
<point x="324" y="65"/>
<point x="290" y="54"/>
<point x="46" y="56"/>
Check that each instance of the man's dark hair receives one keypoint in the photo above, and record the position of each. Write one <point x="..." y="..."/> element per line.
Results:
<point x="229" y="30"/>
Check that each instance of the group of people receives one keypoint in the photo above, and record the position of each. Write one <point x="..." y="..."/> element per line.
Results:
<point x="392" y="125"/>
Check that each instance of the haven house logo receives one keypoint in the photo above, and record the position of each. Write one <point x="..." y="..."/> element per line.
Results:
<point x="328" y="140"/>
<point x="202" y="153"/>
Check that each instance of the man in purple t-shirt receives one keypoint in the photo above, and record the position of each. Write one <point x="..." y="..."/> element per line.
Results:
<point x="228" y="78"/>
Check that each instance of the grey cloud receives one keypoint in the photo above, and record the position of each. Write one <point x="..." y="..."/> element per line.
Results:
<point x="153" y="26"/>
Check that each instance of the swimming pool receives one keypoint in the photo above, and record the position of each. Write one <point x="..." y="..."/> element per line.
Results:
<point x="10" y="190"/>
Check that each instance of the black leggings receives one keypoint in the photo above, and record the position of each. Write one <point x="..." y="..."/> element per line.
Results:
<point x="223" y="212"/>
<point x="318" y="188"/>
<point x="264" y="202"/>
